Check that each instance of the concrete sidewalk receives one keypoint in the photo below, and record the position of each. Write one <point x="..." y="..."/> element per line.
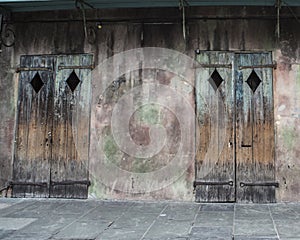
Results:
<point x="93" y="219"/>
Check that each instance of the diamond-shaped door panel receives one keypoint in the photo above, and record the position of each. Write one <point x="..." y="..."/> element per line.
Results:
<point x="215" y="80"/>
<point x="36" y="82"/>
<point x="253" y="81"/>
<point x="73" y="81"/>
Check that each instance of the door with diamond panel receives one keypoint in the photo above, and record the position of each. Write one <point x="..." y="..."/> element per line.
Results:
<point x="215" y="168"/>
<point x="255" y="158"/>
<point x="33" y="146"/>
<point x="52" y="133"/>
<point x="235" y="134"/>
<point x="71" y="124"/>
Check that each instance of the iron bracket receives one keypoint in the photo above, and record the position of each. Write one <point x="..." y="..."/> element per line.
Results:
<point x="262" y="184"/>
<point x="197" y="183"/>
<point x="273" y="65"/>
<point x="76" y="67"/>
<point x="40" y="184"/>
<point x="88" y="183"/>
<point x="7" y="35"/>
<point x="25" y="69"/>
<point x="201" y="65"/>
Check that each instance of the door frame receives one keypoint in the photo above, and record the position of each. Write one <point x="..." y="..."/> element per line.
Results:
<point x="25" y="187"/>
<point x="235" y="69"/>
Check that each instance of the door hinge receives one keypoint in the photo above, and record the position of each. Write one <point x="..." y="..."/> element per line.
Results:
<point x="257" y="184"/>
<point x="40" y="184"/>
<point x="203" y="65"/>
<point x="197" y="183"/>
<point x="273" y="65"/>
<point x="88" y="183"/>
<point x="26" y="69"/>
<point x="61" y="67"/>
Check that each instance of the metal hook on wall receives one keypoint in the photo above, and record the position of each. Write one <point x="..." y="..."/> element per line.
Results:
<point x="7" y="35"/>
<point x="182" y="4"/>
<point x="82" y="8"/>
<point x="278" y="6"/>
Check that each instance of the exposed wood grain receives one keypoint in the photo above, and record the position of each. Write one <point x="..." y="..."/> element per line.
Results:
<point x="53" y="129"/>
<point x="249" y="130"/>
<point x="255" y="127"/>
<point x="71" y="128"/>
<point x="215" y="151"/>
<point x="33" y="148"/>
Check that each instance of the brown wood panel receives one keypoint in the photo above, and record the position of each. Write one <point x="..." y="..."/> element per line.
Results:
<point x="34" y="122"/>
<point x="249" y="158"/>
<point x="215" y="150"/>
<point x="255" y="130"/>
<point x="71" y="128"/>
<point x="52" y="133"/>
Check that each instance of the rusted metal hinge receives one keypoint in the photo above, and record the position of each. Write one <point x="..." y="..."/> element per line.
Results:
<point x="25" y="69"/>
<point x="41" y="184"/>
<point x="61" y="67"/>
<point x="273" y="65"/>
<point x="201" y="65"/>
<point x="88" y="183"/>
<point x="262" y="184"/>
<point x="197" y="183"/>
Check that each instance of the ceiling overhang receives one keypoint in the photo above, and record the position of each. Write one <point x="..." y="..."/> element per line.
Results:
<point x="48" y="5"/>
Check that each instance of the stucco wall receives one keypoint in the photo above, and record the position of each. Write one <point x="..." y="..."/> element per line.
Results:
<point x="238" y="29"/>
<point x="7" y="101"/>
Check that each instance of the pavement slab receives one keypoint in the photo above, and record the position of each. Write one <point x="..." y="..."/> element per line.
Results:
<point x="46" y="219"/>
<point x="14" y="223"/>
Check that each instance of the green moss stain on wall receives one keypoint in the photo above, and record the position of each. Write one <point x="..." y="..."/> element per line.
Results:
<point x="148" y="114"/>
<point x="141" y="165"/>
<point x="110" y="147"/>
<point x="289" y="136"/>
<point x="95" y="190"/>
<point x="111" y="150"/>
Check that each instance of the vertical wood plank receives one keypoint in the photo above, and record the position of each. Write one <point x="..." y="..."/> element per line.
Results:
<point x="71" y="128"/>
<point x="215" y="150"/>
<point x="34" y="121"/>
<point x="255" y="130"/>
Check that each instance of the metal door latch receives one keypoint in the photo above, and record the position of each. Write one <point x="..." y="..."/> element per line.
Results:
<point x="262" y="184"/>
<point x="246" y="145"/>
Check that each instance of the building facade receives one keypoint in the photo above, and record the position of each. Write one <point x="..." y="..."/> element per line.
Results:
<point x="193" y="103"/>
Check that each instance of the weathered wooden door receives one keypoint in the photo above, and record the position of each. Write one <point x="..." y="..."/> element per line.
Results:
<point x="33" y="148"/>
<point x="71" y="124"/>
<point x="235" y="135"/>
<point x="52" y="134"/>
<point x="215" y="168"/>
<point x="255" y="158"/>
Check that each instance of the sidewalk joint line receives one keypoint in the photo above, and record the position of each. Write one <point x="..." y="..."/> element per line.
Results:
<point x="195" y="217"/>
<point x="148" y="229"/>
<point x="82" y="216"/>
<point x="274" y="224"/>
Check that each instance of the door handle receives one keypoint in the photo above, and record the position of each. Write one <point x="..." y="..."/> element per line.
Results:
<point x="246" y="145"/>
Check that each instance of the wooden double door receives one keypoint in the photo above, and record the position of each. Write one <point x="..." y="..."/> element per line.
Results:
<point x="52" y="132"/>
<point x="235" y="127"/>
